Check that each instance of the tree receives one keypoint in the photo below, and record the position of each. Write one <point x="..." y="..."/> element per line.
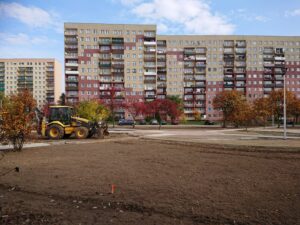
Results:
<point x="294" y="109"/>
<point x="162" y="108"/>
<point x="17" y="116"/>
<point x="92" y="110"/>
<point x="115" y="101"/>
<point x="62" y="99"/>
<point x="276" y="104"/>
<point x="228" y="102"/>
<point x="261" y="110"/>
<point x="135" y="109"/>
<point x="244" y="115"/>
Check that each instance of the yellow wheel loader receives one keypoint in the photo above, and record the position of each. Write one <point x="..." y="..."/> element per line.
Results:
<point x="61" y="123"/>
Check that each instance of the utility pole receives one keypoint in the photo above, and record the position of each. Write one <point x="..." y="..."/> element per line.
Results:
<point x="284" y="103"/>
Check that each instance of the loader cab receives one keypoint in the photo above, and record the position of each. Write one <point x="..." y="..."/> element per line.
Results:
<point x="62" y="114"/>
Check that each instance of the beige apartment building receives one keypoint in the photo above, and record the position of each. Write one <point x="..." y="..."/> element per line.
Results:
<point x="137" y="63"/>
<point x="43" y="77"/>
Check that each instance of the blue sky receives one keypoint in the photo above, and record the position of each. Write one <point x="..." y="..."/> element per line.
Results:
<point x="35" y="28"/>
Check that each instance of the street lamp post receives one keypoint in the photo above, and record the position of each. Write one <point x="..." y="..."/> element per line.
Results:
<point x="284" y="103"/>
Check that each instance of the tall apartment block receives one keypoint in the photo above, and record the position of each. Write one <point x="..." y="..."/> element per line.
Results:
<point x="136" y="63"/>
<point x="43" y="77"/>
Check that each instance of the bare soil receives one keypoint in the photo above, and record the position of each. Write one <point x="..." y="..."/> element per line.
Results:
<point x="156" y="182"/>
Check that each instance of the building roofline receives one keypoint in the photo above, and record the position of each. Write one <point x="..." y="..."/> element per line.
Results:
<point x="28" y="59"/>
<point x="229" y="35"/>
<point x="111" y="24"/>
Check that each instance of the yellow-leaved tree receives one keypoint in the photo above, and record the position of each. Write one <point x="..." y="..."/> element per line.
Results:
<point x="92" y="110"/>
<point x="16" y="118"/>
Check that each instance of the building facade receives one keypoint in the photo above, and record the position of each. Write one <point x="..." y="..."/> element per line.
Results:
<point x="43" y="77"/>
<point x="136" y="62"/>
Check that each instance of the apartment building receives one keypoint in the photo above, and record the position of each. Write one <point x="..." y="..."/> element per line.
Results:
<point x="135" y="62"/>
<point x="43" y="77"/>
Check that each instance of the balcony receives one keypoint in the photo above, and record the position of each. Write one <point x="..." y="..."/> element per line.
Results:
<point x="279" y="85"/>
<point x="71" y="40"/>
<point x="161" y="64"/>
<point x="189" y="52"/>
<point x="105" y="41"/>
<point x="240" y="77"/>
<point x="150" y="50"/>
<point x="228" y="51"/>
<point x="72" y="64"/>
<point x="240" y="58"/>
<point x="74" y="72"/>
<point x="72" y="88"/>
<point x="149" y="65"/>
<point x="268" y="58"/>
<point x="188" y="71"/>
<point x="279" y="58"/>
<point x="228" y="43"/>
<point x="149" y="42"/>
<point x="268" y="85"/>
<point x="228" y="78"/>
<point x="198" y="64"/>
<point x="189" y="64"/>
<point x="70" y="32"/>
<point x="240" y="64"/>
<point x="228" y="71"/>
<point x="279" y="51"/>
<point x="240" y="51"/>
<point x="200" y="58"/>
<point x="149" y="80"/>
<point x="71" y="80"/>
<point x="279" y="77"/>
<point x="268" y="64"/>
<point x="117" y="41"/>
<point x="228" y="64"/>
<point x="71" y="56"/>
<point x="104" y="65"/>
<point x="240" y="44"/>
<point x="200" y="84"/>
<point x="228" y="85"/>
<point x="150" y="73"/>
<point x="268" y="51"/>
<point x="197" y="77"/>
<point x="200" y="51"/>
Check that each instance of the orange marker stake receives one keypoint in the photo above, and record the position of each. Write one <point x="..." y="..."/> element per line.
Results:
<point x="113" y="188"/>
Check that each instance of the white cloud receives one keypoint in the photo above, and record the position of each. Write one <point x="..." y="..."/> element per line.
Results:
<point x="31" y="16"/>
<point x="130" y="2"/>
<point x="243" y="14"/>
<point x="188" y="16"/>
<point x="295" y="12"/>
<point x="23" y="39"/>
<point x="261" y="18"/>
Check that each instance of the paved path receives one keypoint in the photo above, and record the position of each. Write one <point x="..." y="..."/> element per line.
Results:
<point x="254" y="137"/>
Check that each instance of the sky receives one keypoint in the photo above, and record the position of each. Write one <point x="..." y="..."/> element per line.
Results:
<point x="34" y="28"/>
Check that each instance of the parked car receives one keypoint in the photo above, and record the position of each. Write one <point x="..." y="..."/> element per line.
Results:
<point x="154" y="122"/>
<point x="126" y="122"/>
<point x="207" y="122"/>
<point x="175" y="122"/>
<point x="142" y="122"/>
<point x="163" y="122"/>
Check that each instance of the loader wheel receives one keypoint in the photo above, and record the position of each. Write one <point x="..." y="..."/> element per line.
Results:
<point x="55" y="132"/>
<point x="81" y="132"/>
<point x="99" y="134"/>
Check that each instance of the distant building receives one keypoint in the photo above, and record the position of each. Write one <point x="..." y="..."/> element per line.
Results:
<point x="43" y="77"/>
<point x="136" y="61"/>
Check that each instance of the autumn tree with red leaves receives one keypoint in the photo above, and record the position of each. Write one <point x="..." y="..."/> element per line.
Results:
<point x="162" y="108"/>
<point x="16" y="118"/>
<point x="135" y="109"/>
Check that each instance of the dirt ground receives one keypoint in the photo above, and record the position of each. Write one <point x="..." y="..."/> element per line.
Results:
<point x="156" y="183"/>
